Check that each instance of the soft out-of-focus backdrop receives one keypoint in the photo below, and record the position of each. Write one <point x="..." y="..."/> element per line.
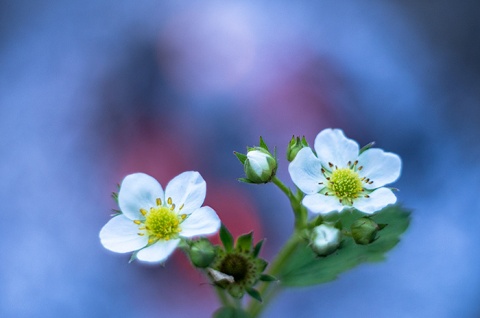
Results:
<point x="93" y="90"/>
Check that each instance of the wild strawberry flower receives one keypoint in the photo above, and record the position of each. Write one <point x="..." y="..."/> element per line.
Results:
<point x="340" y="177"/>
<point x="154" y="221"/>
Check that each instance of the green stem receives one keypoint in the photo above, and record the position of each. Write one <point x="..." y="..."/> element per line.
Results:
<point x="268" y="290"/>
<point x="296" y="202"/>
<point x="282" y="187"/>
<point x="222" y="296"/>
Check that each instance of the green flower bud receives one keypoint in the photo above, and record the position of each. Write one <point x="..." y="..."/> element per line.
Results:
<point x="294" y="146"/>
<point x="325" y="239"/>
<point x="260" y="165"/>
<point x="202" y="253"/>
<point x="364" y="230"/>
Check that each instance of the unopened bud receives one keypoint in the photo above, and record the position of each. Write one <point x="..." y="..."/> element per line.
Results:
<point x="202" y="253"/>
<point x="260" y="166"/>
<point x="364" y="230"/>
<point x="325" y="239"/>
<point x="294" y="146"/>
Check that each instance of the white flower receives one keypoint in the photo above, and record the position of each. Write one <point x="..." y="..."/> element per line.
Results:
<point x="340" y="177"/>
<point x="325" y="239"/>
<point x="153" y="221"/>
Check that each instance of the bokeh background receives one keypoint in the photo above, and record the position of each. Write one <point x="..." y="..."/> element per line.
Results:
<point x="93" y="90"/>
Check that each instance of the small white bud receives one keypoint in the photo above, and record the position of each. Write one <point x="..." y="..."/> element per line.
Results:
<point x="325" y="239"/>
<point x="260" y="166"/>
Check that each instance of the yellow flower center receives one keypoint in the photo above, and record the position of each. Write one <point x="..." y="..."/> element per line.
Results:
<point x="345" y="183"/>
<point x="162" y="223"/>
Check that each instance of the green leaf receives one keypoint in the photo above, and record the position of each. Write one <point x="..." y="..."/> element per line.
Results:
<point x="244" y="242"/>
<point x="304" y="268"/>
<point x="257" y="248"/>
<point x="226" y="238"/>
<point x="254" y="294"/>
<point x="230" y="312"/>
<point x="240" y="157"/>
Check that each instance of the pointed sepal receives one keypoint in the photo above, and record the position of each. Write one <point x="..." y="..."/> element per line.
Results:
<point x="257" y="248"/>
<point x="240" y="156"/>
<point x="226" y="238"/>
<point x="255" y="294"/>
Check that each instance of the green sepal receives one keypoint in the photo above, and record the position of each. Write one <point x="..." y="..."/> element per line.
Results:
<point x="316" y="221"/>
<point x="254" y="294"/>
<point x="226" y="238"/>
<point x="261" y="264"/>
<point x="115" y="213"/>
<point x="263" y="144"/>
<point x="236" y="291"/>
<point x="115" y="196"/>
<point x="240" y="157"/>
<point x="257" y="248"/>
<point x="244" y="180"/>
<point x="366" y="147"/>
<point x="244" y="242"/>
<point x="268" y="278"/>
<point x="304" y="268"/>
<point x="133" y="257"/>
<point x="230" y="312"/>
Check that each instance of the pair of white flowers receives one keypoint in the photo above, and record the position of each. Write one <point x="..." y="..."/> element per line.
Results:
<point x="338" y="176"/>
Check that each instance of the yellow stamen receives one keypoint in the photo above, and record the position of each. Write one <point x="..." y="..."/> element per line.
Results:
<point x="159" y="201"/>
<point x="137" y="222"/>
<point x="143" y="211"/>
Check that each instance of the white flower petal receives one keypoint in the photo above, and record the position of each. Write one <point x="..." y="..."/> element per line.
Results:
<point x="187" y="189"/>
<point x="158" y="252"/>
<point x="332" y="146"/>
<point x="323" y="204"/>
<point x="306" y="172"/>
<point x="380" y="167"/>
<point x="138" y="191"/>
<point x="201" y="222"/>
<point x="258" y="161"/>
<point x="120" y="235"/>
<point x="378" y="199"/>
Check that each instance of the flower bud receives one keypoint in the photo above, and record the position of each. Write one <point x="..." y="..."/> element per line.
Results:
<point x="260" y="165"/>
<point x="325" y="239"/>
<point x="364" y="230"/>
<point x="202" y="253"/>
<point x="294" y="146"/>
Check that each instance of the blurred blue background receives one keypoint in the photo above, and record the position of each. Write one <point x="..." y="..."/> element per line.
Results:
<point x="93" y="90"/>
